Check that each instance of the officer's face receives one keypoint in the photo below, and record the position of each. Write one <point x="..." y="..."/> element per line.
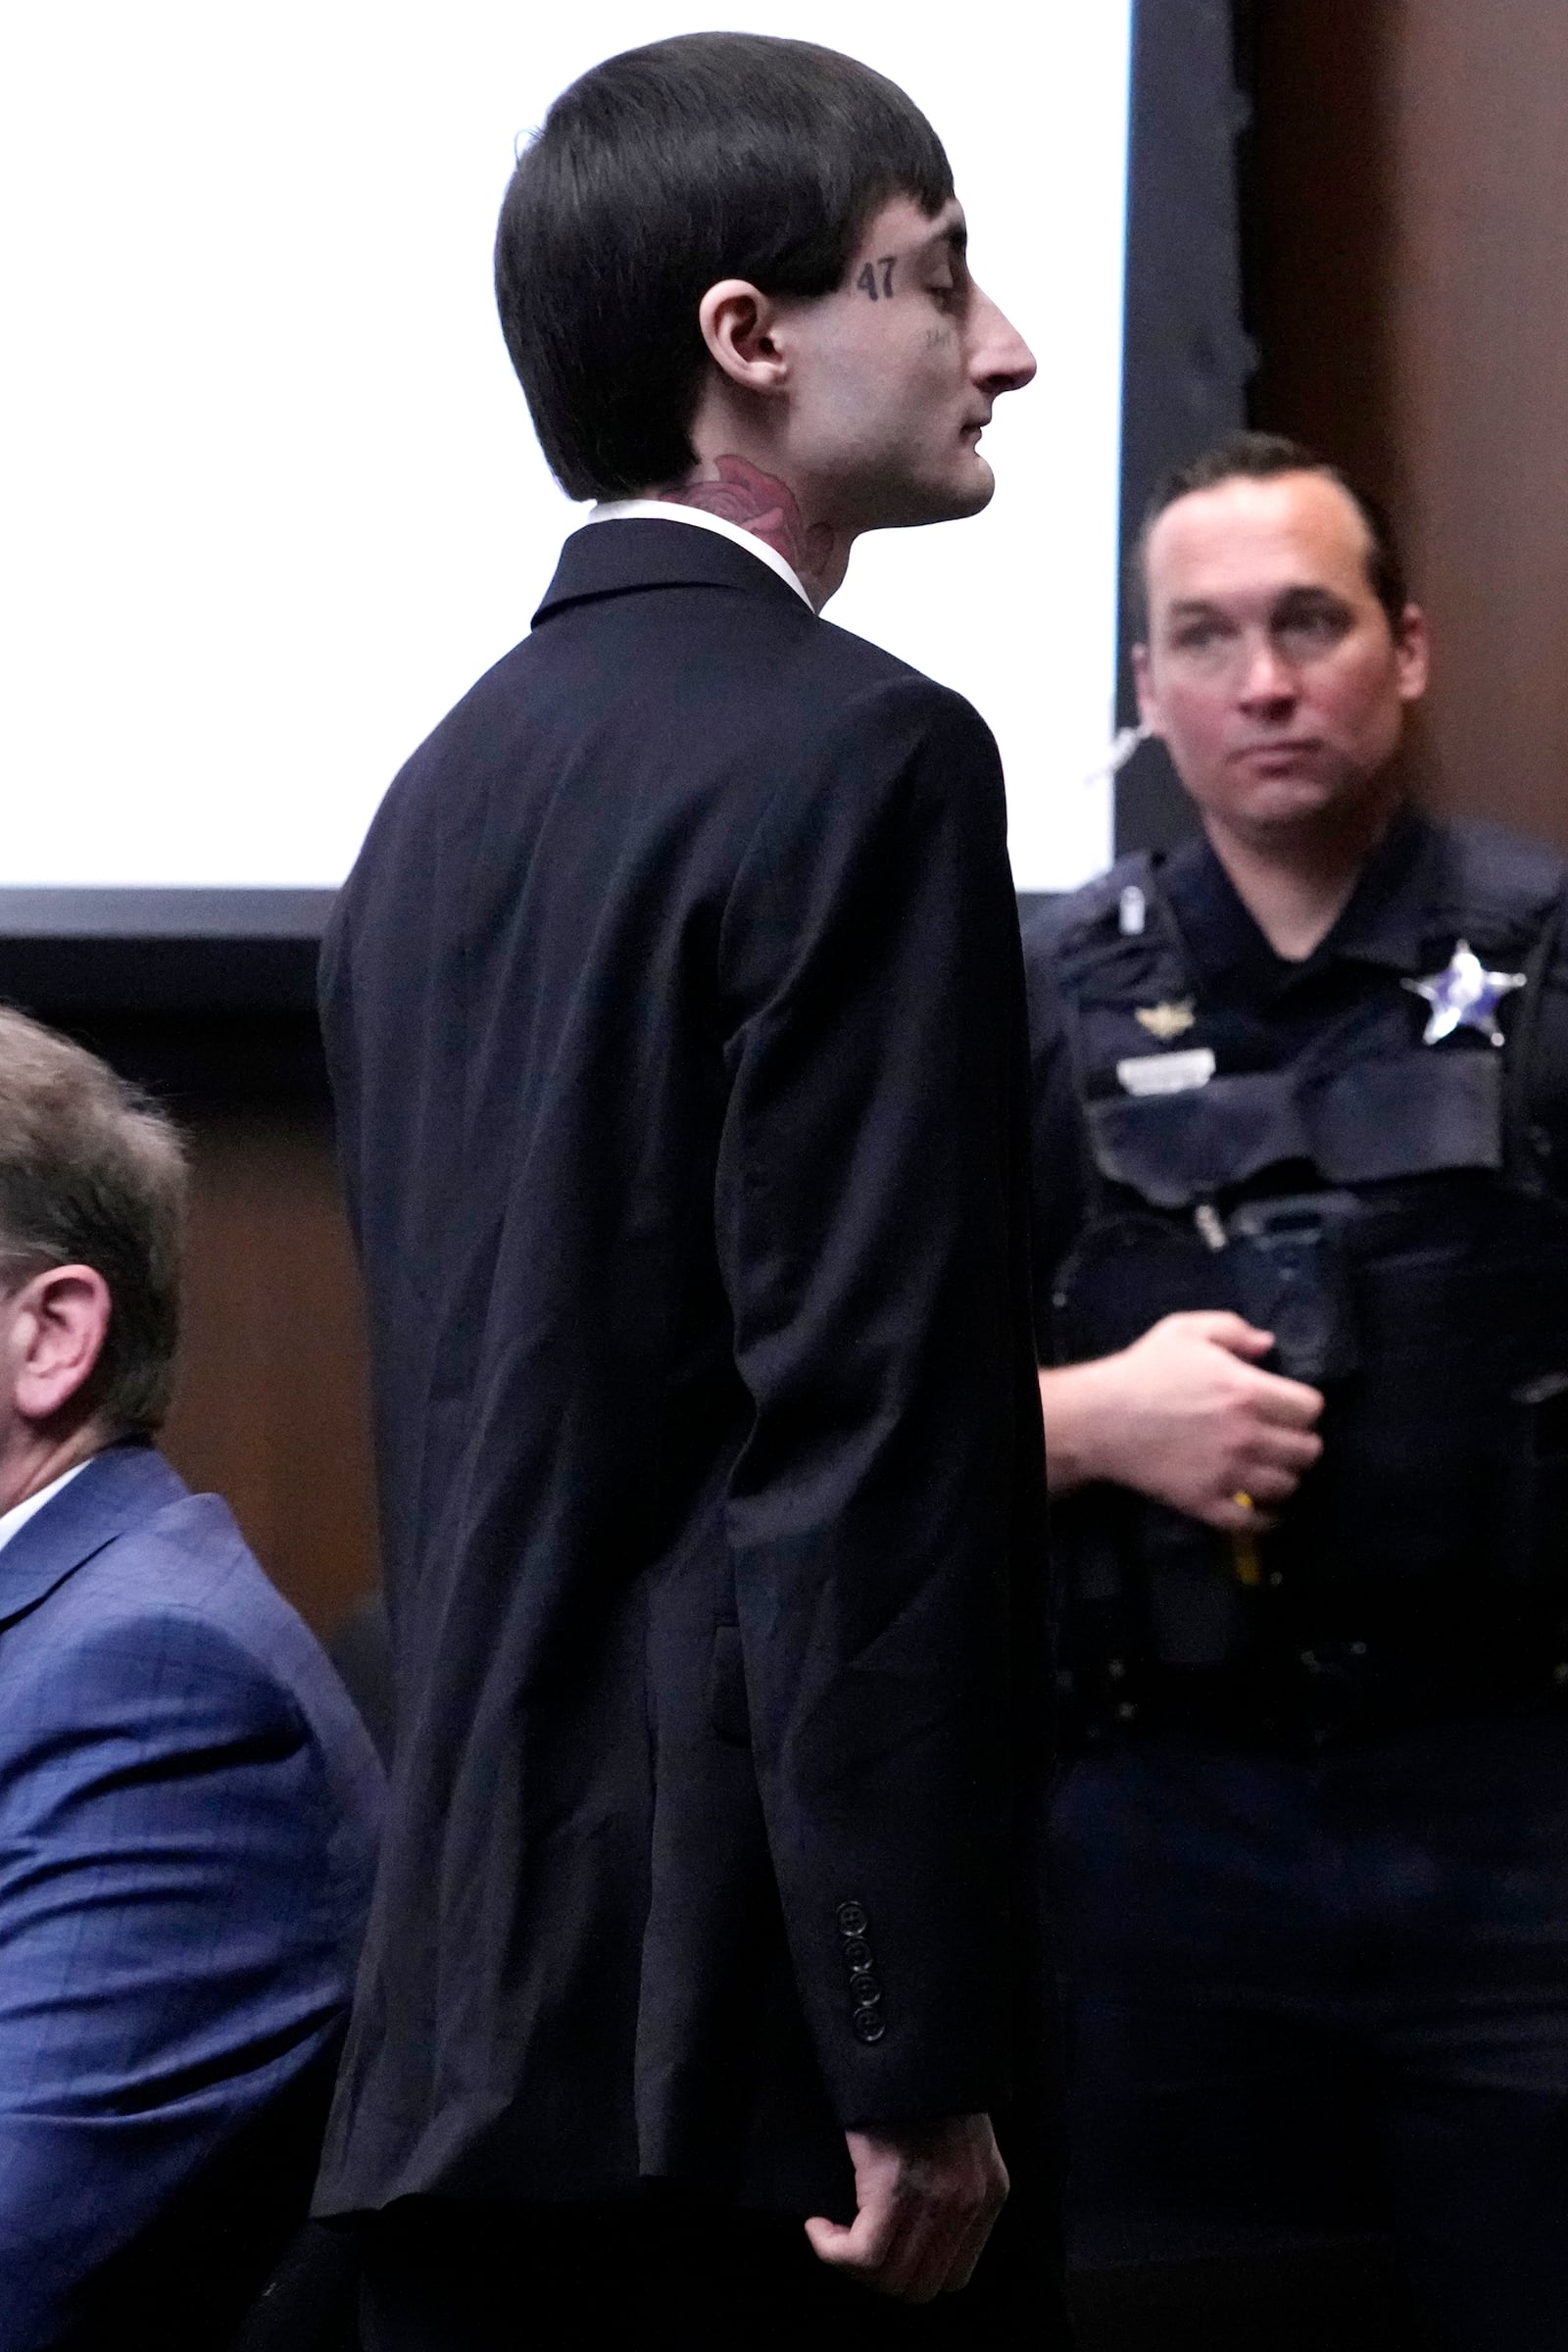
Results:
<point x="1270" y="668"/>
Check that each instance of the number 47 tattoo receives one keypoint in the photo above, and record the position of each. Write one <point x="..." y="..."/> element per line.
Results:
<point x="866" y="281"/>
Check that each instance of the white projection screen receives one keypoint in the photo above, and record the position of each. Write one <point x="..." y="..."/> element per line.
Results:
<point x="274" y="500"/>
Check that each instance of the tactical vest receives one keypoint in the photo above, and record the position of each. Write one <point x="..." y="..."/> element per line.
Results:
<point x="1389" y="1209"/>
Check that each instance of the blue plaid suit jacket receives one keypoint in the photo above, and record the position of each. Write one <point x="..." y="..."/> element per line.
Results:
<point x="187" y="1814"/>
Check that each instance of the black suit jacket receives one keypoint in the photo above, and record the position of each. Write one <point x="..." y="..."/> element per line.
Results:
<point x="675" y="1011"/>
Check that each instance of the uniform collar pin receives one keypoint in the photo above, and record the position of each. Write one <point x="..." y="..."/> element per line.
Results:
<point x="1166" y="1022"/>
<point x="1464" y="995"/>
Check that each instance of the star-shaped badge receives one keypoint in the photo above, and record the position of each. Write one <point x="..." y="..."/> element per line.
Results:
<point x="1464" y="996"/>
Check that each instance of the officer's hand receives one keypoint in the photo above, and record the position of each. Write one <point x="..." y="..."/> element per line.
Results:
<point x="928" y="2194"/>
<point x="1185" y="1416"/>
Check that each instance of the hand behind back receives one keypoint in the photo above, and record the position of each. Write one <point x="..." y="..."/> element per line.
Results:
<point x="927" y="2196"/>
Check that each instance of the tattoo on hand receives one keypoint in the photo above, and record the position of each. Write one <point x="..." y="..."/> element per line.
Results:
<point x="866" y="281"/>
<point x="760" y="502"/>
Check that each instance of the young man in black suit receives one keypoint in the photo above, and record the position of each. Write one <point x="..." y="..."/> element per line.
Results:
<point x="675" y="1018"/>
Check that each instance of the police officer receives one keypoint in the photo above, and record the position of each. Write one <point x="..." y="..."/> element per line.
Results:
<point x="1301" y="1175"/>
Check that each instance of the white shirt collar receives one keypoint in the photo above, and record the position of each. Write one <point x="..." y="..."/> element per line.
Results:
<point x="663" y="510"/>
<point x="13" y="1521"/>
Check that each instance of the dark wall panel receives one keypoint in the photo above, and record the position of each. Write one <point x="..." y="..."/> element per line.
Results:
<point x="270" y="1404"/>
<point x="1185" y="355"/>
<point x="1412" y="301"/>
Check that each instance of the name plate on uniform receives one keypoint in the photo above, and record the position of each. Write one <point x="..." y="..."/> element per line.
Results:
<point x="1166" y="1073"/>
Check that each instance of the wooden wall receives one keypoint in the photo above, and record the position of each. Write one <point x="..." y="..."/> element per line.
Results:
<point x="1409" y="266"/>
<point x="269" y="1408"/>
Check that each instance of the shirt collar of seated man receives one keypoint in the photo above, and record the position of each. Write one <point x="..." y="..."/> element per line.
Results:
<point x="1279" y="656"/>
<point x="819" y="418"/>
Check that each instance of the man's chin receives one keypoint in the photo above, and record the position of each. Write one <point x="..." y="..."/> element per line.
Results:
<point x="949" y="501"/>
<point x="978" y="492"/>
<point x="972" y="490"/>
<point x="1288" y="796"/>
<point x="1280" y="806"/>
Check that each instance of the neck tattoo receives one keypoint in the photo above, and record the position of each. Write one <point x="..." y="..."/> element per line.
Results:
<point x="760" y="502"/>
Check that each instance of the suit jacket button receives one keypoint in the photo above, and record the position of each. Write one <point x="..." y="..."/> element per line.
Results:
<point x="865" y="1990"/>
<point x="853" y="1920"/>
<point x="856" y="1952"/>
<point x="868" y="2024"/>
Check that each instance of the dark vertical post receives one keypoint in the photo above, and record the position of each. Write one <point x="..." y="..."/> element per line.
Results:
<point x="1185" y="355"/>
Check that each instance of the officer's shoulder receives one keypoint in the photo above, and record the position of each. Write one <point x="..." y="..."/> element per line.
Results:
<point x="1060" y="922"/>
<point x="1491" y="870"/>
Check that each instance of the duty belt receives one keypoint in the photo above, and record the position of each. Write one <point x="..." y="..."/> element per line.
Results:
<point x="1331" y="1694"/>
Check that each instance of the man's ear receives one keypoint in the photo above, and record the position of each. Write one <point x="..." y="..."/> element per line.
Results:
<point x="59" y="1322"/>
<point x="737" y="323"/>
<point x="1147" y="699"/>
<point x="1412" y="647"/>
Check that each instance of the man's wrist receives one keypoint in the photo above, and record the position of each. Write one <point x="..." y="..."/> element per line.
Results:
<point x="1077" y="1404"/>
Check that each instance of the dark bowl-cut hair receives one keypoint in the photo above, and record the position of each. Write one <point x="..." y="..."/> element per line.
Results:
<point x="1259" y="457"/>
<point x="659" y="172"/>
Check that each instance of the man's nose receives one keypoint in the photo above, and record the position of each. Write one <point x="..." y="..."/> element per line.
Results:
<point x="1001" y="361"/>
<point x="1265" y="676"/>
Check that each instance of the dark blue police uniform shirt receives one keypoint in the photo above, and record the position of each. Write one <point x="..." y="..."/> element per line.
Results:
<point x="1258" y="1010"/>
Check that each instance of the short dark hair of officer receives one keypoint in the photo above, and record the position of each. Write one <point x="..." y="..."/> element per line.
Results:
<point x="657" y="174"/>
<point x="92" y="1174"/>
<point x="1259" y="457"/>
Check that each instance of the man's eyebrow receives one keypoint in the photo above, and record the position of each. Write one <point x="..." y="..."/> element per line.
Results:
<point x="1190" y="608"/>
<point x="1299" y="592"/>
<point x="954" y="237"/>
<point x="1309" y="592"/>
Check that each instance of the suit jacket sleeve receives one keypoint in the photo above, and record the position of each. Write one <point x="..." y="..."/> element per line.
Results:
<point x="1059" y="1143"/>
<point x="169" y="1953"/>
<point x="872" y="1215"/>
